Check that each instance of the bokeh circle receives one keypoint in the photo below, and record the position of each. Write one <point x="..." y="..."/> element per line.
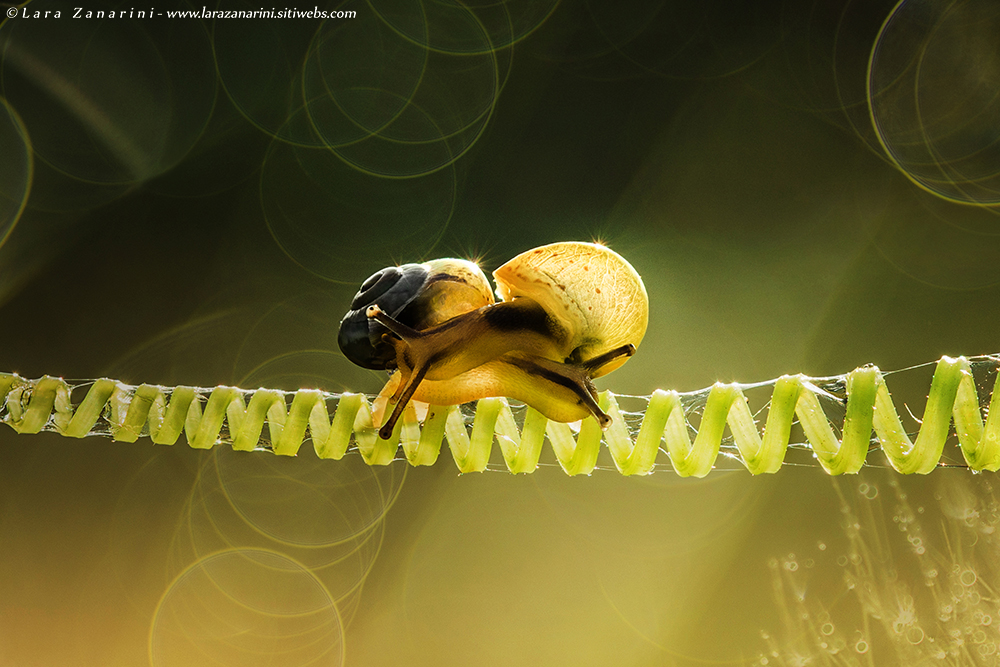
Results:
<point x="932" y="92"/>
<point x="108" y="103"/>
<point x="15" y="168"/>
<point x="246" y="607"/>
<point x="335" y="221"/>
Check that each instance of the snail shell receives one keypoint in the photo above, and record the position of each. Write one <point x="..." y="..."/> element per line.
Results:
<point x="569" y="312"/>
<point x="598" y="300"/>
<point x="418" y="295"/>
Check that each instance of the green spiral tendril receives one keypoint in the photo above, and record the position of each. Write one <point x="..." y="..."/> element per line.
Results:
<point x="208" y="417"/>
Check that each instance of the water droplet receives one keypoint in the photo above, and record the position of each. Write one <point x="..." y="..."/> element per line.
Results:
<point x="968" y="578"/>
<point x="827" y="629"/>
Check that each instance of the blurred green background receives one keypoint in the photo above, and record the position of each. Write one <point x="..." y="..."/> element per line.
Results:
<point x="804" y="187"/>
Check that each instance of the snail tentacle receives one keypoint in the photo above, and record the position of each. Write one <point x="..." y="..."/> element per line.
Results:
<point x="574" y="377"/>
<point x="392" y="324"/>
<point x="411" y="373"/>
<point x="595" y="364"/>
<point x="405" y="391"/>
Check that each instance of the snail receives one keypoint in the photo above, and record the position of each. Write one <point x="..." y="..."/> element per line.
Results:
<point x="568" y="313"/>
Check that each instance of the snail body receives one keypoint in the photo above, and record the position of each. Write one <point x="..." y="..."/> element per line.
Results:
<point x="569" y="312"/>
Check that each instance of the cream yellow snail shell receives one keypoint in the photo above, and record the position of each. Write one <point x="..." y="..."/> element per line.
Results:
<point x="569" y="312"/>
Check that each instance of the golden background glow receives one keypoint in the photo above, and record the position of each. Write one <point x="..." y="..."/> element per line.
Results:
<point x="804" y="187"/>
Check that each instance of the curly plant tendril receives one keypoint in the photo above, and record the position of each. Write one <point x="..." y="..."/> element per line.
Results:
<point x="208" y="417"/>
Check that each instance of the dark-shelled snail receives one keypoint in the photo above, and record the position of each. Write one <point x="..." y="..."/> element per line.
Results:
<point x="569" y="312"/>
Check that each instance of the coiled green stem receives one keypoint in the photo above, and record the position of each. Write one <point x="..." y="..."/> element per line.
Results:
<point x="230" y="415"/>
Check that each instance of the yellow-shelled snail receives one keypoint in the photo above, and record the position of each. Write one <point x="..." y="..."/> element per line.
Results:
<point x="568" y="312"/>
